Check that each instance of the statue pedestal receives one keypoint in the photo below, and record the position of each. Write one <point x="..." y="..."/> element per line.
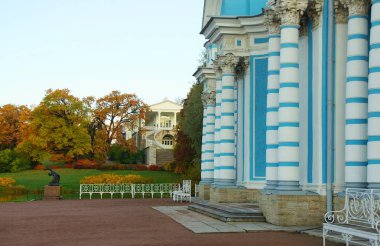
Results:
<point x="52" y="192"/>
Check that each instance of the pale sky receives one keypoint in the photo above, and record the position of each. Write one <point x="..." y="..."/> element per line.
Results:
<point x="147" y="47"/>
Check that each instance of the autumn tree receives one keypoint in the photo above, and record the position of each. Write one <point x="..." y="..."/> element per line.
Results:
<point x="115" y="112"/>
<point x="13" y="121"/>
<point x="59" y="126"/>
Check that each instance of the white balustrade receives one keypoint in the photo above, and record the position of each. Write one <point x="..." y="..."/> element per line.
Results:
<point x="125" y="189"/>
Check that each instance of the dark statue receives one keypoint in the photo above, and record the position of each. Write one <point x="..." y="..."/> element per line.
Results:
<point x="56" y="177"/>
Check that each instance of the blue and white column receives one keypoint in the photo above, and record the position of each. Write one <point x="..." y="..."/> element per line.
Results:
<point x="373" y="168"/>
<point x="207" y="174"/>
<point x="218" y="99"/>
<point x="356" y="95"/>
<point x="227" y="168"/>
<point x="204" y="161"/>
<point x="272" y="101"/>
<point x="288" y="115"/>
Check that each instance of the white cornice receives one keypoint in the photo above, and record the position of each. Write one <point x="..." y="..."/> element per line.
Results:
<point x="203" y="73"/>
<point x="218" y="26"/>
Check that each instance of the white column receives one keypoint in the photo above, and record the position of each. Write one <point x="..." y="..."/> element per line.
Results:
<point x="356" y="94"/>
<point x="204" y="162"/>
<point x="175" y="119"/>
<point x="272" y="101"/>
<point x="288" y="131"/>
<point x="210" y="135"/>
<point x="373" y="169"/>
<point x="207" y="170"/>
<point x="159" y="119"/>
<point x="218" y="99"/>
<point x="227" y="168"/>
<point x="341" y="15"/>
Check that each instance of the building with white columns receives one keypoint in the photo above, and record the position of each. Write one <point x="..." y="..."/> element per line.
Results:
<point x="292" y="103"/>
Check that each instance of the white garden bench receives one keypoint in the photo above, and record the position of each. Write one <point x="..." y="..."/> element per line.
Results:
<point x="124" y="189"/>
<point x="358" y="223"/>
<point x="184" y="193"/>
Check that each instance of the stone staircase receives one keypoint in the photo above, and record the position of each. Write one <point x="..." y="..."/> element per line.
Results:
<point x="229" y="212"/>
<point x="164" y="156"/>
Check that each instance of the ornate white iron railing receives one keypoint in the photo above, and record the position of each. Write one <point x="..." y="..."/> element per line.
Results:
<point x="125" y="189"/>
<point x="360" y="218"/>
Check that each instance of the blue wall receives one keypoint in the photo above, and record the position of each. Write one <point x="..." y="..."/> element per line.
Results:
<point x="242" y="7"/>
<point x="258" y="99"/>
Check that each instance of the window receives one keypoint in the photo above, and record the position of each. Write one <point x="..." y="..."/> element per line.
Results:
<point x="238" y="42"/>
<point x="167" y="140"/>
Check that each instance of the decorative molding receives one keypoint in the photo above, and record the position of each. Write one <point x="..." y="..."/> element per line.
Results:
<point x="292" y="10"/>
<point x="217" y="69"/>
<point x="208" y="98"/>
<point x="271" y="21"/>
<point x="357" y="7"/>
<point x="341" y="12"/>
<point x="228" y="62"/>
<point x="314" y="11"/>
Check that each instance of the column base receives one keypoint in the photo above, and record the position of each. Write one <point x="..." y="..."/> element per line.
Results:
<point x="224" y="183"/>
<point x="356" y="185"/>
<point x="271" y="185"/>
<point x="373" y="186"/>
<point x="288" y="186"/>
<point x="204" y="190"/>
<point x="233" y="195"/>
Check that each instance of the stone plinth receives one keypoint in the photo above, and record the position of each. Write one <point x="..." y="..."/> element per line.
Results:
<point x="204" y="191"/>
<point x="291" y="210"/>
<point x="52" y="192"/>
<point x="233" y="194"/>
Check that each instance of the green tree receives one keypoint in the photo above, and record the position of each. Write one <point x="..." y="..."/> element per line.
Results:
<point x="187" y="151"/>
<point x="59" y="126"/>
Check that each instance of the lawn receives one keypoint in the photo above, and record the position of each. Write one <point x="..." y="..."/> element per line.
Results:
<point x="36" y="179"/>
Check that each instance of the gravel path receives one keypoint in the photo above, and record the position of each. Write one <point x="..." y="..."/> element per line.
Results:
<point x="116" y="222"/>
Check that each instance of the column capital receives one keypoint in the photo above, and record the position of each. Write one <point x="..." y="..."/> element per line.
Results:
<point x="356" y="7"/>
<point x="228" y="62"/>
<point x="341" y="12"/>
<point x="314" y="11"/>
<point x="208" y="98"/>
<point x="272" y="21"/>
<point x="292" y="10"/>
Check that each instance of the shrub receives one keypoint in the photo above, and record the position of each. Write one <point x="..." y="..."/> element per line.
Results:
<point x="141" y="167"/>
<point x="13" y="161"/>
<point x="7" y="181"/>
<point x="179" y="170"/>
<point x="169" y="166"/>
<point x="39" y="167"/>
<point x="115" y="179"/>
<point x="154" y="168"/>
<point x="68" y="165"/>
<point x="131" y="166"/>
<point x="112" y="167"/>
<point x="85" y="164"/>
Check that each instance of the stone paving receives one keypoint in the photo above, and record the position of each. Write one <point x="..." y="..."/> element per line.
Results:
<point x="199" y="223"/>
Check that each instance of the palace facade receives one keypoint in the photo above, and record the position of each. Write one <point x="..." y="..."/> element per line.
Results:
<point x="291" y="104"/>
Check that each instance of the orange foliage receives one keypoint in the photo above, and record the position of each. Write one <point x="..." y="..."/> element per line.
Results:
<point x="6" y="181"/>
<point x="39" y="167"/>
<point x="14" y="121"/>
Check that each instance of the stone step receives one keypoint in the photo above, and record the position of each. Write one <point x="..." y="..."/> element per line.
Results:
<point x="246" y="209"/>
<point x="225" y="216"/>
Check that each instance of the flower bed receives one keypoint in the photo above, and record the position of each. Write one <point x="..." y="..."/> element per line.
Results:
<point x="115" y="179"/>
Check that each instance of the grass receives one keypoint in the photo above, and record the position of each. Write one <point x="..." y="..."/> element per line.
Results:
<point x="35" y="180"/>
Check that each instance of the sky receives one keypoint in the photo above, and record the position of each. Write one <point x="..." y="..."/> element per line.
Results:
<point x="92" y="47"/>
